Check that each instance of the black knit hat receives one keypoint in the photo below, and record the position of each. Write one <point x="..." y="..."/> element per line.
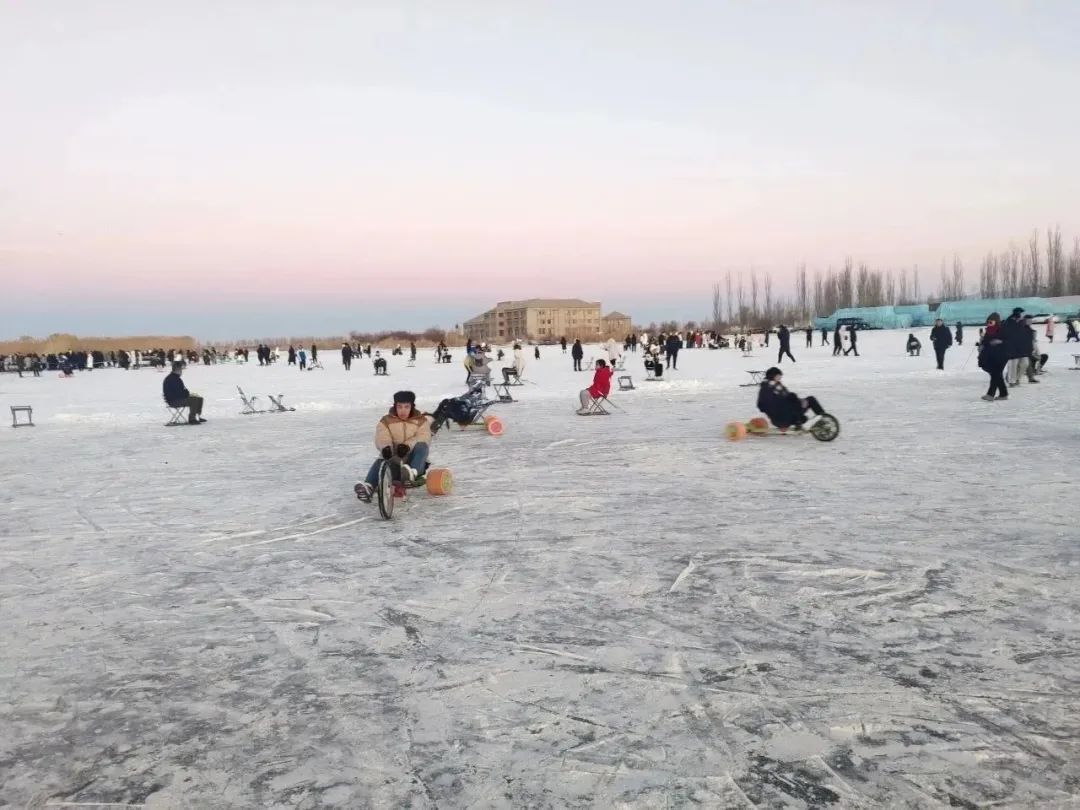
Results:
<point x="773" y="373"/>
<point x="405" y="396"/>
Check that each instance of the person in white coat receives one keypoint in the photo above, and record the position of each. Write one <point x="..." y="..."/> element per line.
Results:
<point x="1050" y="329"/>
<point x="518" y="369"/>
<point x="613" y="352"/>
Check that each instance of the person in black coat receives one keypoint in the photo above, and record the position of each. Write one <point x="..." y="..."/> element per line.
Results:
<point x="942" y="340"/>
<point x="177" y="396"/>
<point x="1015" y="338"/>
<point x="671" y="350"/>
<point x="959" y="334"/>
<point x="914" y="346"/>
<point x="785" y="343"/>
<point x="809" y="337"/>
<point x="837" y="341"/>
<point x="853" y="337"/>
<point x="784" y="408"/>
<point x="577" y="352"/>
<point x="346" y="356"/>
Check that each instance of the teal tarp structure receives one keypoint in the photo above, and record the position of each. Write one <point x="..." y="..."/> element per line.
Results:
<point x="969" y="312"/>
<point x="975" y="311"/>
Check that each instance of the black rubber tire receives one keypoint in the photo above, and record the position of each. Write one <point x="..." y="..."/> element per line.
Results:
<point x="385" y="490"/>
<point x="826" y="428"/>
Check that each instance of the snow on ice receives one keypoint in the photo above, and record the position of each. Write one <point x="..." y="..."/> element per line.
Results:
<point x="608" y="611"/>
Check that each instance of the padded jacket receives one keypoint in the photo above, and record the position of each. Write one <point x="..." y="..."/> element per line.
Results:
<point x="392" y="431"/>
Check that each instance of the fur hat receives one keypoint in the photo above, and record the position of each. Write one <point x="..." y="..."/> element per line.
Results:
<point x="405" y="396"/>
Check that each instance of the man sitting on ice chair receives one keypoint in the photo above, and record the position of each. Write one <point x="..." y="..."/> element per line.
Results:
<point x="592" y="397"/>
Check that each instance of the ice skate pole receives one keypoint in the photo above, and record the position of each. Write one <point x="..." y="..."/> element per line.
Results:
<point x="968" y="357"/>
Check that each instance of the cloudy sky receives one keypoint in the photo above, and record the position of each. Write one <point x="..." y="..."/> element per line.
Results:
<point x="256" y="168"/>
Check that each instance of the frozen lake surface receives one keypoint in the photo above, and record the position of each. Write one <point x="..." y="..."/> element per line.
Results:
<point x="613" y="611"/>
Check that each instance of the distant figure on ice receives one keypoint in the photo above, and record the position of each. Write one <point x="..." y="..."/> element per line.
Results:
<point x="177" y="396"/>
<point x="784" y="408"/>
<point x="671" y="351"/>
<point x="346" y="356"/>
<point x="600" y="388"/>
<point x="562" y="342"/>
<point x="809" y="337"/>
<point x="613" y="352"/>
<point x="853" y="336"/>
<point x="824" y="336"/>
<point x="942" y="340"/>
<point x="993" y="357"/>
<point x="577" y="352"/>
<point x="412" y="351"/>
<point x="314" y="354"/>
<point x="516" y="370"/>
<point x="301" y="357"/>
<point x="380" y="364"/>
<point x="1073" y="327"/>
<point x="536" y="352"/>
<point x="959" y="333"/>
<point x="837" y="341"/>
<point x="292" y="356"/>
<point x="1027" y="340"/>
<point x="784" y="336"/>
<point x="914" y="347"/>
<point x="1050" y="329"/>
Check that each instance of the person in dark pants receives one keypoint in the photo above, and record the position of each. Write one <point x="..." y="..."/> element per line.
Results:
<point x="783" y="407"/>
<point x="959" y="333"/>
<point x="852" y="336"/>
<point x="785" y="343"/>
<point x="942" y="340"/>
<point x="824" y="336"/>
<point x="837" y="342"/>
<point x="177" y="396"/>
<point x="577" y="353"/>
<point x="346" y="356"/>
<point x="914" y="346"/>
<point x="671" y="349"/>
<point x="314" y="353"/>
<point x="562" y="342"/>
<point x="809" y="337"/>
<point x="993" y="356"/>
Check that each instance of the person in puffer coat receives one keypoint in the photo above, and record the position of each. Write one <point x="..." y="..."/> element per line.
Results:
<point x="784" y="408"/>
<point x="403" y="437"/>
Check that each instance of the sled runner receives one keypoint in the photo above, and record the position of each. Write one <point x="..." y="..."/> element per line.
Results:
<point x="249" y="403"/>
<point x="276" y="401"/>
<point x="390" y="487"/>
<point x="825" y="429"/>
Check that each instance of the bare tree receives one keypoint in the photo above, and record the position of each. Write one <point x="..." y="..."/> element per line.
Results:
<point x="959" y="278"/>
<point x="753" y="293"/>
<point x="915" y="294"/>
<point x="802" y="292"/>
<point x="846" y="284"/>
<point x="890" y="288"/>
<point x="742" y="303"/>
<point x="730" y="299"/>
<point x="717" y="308"/>
<point x="1055" y="263"/>
<point x="1032" y="279"/>
<point x="766" y="289"/>
<point x="1074" y="269"/>
<point x="819" y="296"/>
<point x="903" y="292"/>
<point x="988" y="277"/>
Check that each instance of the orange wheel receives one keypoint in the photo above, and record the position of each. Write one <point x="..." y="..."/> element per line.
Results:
<point x="439" y="481"/>
<point x="494" y="425"/>
<point x="759" y="424"/>
<point x="735" y="431"/>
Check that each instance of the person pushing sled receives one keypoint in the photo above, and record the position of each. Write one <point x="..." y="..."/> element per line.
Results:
<point x="787" y="412"/>
<point x="402" y="437"/>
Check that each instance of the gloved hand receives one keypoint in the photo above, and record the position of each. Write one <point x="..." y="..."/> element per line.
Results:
<point x="402" y="450"/>
<point x="387" y="452"/>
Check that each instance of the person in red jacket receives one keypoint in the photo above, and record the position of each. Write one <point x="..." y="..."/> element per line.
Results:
<point x="601" y="386"/>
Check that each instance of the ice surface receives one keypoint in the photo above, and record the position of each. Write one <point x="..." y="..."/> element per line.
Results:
<point x="609" y="611"/>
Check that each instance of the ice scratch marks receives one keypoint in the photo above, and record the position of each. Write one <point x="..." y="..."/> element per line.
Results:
<point x="690" y="566"/>
<point x="302" y="535"/>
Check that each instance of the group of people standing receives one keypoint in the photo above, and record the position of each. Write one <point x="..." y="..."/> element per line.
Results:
<point x="1009" y="348"/>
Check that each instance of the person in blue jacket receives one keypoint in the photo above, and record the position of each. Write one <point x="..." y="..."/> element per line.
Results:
<point x="177" y="395"/>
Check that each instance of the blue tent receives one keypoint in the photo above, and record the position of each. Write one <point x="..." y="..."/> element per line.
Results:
<point x="975" y="311"/>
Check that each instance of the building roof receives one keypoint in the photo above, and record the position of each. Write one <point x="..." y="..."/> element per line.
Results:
<point x="480" y="318"/>
<point x="568" y="303"/>
<point x="616" y="316"/>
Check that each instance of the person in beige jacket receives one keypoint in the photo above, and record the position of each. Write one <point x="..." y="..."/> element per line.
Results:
<point x="401" y="437"/>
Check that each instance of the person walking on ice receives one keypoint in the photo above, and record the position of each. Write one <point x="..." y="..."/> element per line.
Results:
<point x="403" y="435"/>
<point x="785" y="343"/>
<point x="942" y="340"/>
